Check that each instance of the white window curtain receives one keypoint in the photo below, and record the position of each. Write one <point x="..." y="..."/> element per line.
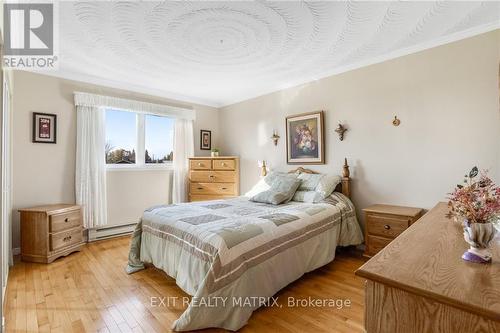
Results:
<point x="183" y="149"/>
<point x="90" y="178"/>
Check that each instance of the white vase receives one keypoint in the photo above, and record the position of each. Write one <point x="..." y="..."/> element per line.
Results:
<point x="215" y="154"/>
<point x="479" y="237"/>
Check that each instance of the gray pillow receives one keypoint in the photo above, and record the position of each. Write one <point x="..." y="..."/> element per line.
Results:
<point x="281" y="191"/>
<point x="309" y="181"/>
<point x="265" y="183"/>
<point x="324" y="186"/>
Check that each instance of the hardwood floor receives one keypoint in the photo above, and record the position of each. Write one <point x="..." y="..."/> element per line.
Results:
<point x="90" y="292"/>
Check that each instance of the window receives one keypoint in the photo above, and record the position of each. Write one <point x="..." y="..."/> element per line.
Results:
<point x="159" y="133"/>
<point x="138" y="140"/>
<point x="120" y="137"/>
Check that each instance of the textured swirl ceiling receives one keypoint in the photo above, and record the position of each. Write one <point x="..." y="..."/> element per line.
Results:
<point x="218" y="53"/>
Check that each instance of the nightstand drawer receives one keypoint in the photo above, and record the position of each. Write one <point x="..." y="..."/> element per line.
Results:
<point x="374" y="244"/>
<point x="65" y="238"/>
<point x="64" y="221"/>
<point x="386" y="226"/>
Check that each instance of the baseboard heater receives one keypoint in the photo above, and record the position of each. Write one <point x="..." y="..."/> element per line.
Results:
<point x="100" y="233"/>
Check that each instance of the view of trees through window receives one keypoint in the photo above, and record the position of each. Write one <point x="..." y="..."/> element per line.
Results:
<point x="122" y="135"/>
<point x="159" y="135"/>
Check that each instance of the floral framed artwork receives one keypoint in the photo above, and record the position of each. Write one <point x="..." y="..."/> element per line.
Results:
<point x="44" y="127"/>
<point x="305" y="141"/>
<point x="205" y="140"/>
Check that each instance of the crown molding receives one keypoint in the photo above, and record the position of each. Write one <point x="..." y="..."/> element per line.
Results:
<point x="113" y="84"/>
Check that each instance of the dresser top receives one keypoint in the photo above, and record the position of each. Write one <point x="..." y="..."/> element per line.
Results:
<point x="213" y="158"/>
<point x="426" y="260"/>
<point x="51" y="209"/>
<point x="394" y="210"/>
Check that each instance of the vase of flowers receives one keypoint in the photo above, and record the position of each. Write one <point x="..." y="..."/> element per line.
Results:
<point x="477" y="202"/>
<point x="214" y="152"/>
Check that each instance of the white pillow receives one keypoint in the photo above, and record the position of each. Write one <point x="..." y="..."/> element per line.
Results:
<point x="265" y="183"/>
<point x="325" y="186"/>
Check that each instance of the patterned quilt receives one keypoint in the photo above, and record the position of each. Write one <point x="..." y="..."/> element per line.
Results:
<point x="226" y="238"/>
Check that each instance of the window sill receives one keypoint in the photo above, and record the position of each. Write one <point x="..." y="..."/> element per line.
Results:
<point x="152" y="167"/>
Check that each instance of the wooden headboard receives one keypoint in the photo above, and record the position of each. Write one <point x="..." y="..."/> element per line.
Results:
<point x="345" y="184"/>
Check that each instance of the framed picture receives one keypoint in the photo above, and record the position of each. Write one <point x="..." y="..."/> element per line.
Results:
<point x="205" y="140"/>
<point x="305" y="141"/>
<point x="44" y="127"/>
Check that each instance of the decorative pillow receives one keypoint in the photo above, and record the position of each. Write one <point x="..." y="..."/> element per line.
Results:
<point x="281" y="191"/>
<point x="307" y="196"/>
<point x="327" y="185"/>
<point x="265" y="183"/>
<point x="309" y="181"/>
<point x="324" y="187"/>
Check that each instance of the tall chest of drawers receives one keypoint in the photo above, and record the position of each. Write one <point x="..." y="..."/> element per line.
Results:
<point x="212" y="178"/>
<point x="49" y="232"/>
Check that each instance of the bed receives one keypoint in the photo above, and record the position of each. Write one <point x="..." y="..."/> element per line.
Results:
<point x="239" y="252"/>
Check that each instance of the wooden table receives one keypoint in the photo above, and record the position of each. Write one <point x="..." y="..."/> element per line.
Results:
<point x="419" y="283"/>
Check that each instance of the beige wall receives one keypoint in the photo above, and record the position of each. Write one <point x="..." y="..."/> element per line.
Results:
<point x="130" y="192"/>
<point x="44" y="173"/>
<point x="447" y="100"/>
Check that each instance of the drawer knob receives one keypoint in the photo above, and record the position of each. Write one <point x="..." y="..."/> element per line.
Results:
<point x="66" y="220"/>
<point x="67" y="238"/>
<point x="224" y="188"/>
<point x="223" y="164"/>
<point x="200" y="188"/>
<point x="199" y="164"/>
<point x="211" y="176"/>
<point x="387" y="227"/>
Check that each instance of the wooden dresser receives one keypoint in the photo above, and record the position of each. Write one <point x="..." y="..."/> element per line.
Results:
<point x="419" y="282"/>
<point x="383" y="223"/>
<point x="212" y="178"/>
<point x="49" y="232"/>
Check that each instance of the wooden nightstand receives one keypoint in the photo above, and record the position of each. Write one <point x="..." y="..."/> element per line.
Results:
<point x="383" y="223"/>
<point x="49" y="232"/>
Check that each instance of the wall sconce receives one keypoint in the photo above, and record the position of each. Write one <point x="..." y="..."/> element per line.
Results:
<point x="341" y="129"/>
<point x="275" y="138"/>
<point x="263" y="166"/>
<point x="396" y="121"/>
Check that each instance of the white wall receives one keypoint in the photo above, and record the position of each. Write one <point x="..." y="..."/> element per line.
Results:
<point x="45" y="173"/>
<point x="447" y="99"/>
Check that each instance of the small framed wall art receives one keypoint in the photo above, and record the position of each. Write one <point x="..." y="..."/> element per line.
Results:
<point x="44" y="127"/>
<point x="205" y="140"/>
<point x="305" y="141"/>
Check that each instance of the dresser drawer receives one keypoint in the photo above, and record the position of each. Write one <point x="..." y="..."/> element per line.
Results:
<point x="208" y="197"/>
<point x="386" y="225"/>
<point x="213" y="176"/>
<point x="200" y="164"/>
<point x="213" y="188"/>
<point x="64" y="221"/>
<point x="224" y="164"/>
<point x="374" y="244"/>
<point x="65" y="238"/>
